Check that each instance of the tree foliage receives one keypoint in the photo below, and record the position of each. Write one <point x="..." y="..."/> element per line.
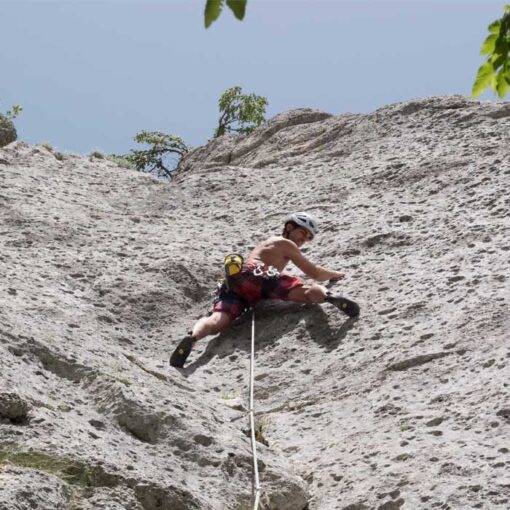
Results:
<point x="240" y="113"/>
<point x="163" y="155"/>
<point x="13" y="112"/>
<point x="495" y="71"/>
<point x="213" y="10"/>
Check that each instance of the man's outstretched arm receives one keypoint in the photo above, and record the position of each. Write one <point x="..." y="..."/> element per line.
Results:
<point x="310" y="269"/>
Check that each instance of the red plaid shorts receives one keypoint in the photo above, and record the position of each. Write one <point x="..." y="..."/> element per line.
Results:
<point x="247" y="289"/>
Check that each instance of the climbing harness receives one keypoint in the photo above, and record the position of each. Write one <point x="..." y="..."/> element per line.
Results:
<point x="256" y="483"/>
<point x="233" y="265"/>
<point x="270" y="275"/>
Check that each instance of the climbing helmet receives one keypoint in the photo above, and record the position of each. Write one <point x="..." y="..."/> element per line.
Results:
<point x="305" y="220"/>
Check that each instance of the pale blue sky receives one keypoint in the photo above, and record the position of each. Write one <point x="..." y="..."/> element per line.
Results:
<point x="90" y="74"/>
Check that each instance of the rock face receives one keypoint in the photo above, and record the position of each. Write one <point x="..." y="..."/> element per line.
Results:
<point x="29" y="488"/>
<point x="7" y="131"/>
<point x="104" y="269"/>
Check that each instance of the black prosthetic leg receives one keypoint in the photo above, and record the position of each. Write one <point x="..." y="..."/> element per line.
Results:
<point x="181" y="353"/>
<point x="346" y="305"/>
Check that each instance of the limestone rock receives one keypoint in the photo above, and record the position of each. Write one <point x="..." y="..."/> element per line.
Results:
<point x="105" y="269"/>
<point x="26" y="489"/>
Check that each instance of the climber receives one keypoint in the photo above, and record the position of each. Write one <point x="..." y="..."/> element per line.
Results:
<point x="261" y="277"/>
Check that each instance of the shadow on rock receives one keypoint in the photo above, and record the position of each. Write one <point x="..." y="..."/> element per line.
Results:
<point x="273" y="320"/>
<point x="321" y="331"/>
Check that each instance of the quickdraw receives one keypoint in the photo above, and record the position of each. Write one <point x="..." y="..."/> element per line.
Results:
<point x="271" y="271"/>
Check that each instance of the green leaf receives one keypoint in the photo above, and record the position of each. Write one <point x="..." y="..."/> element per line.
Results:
<point x="502" y="46"/>
<point x="483" y="79"/>
<point x="507" y="8"/>
<point x="494" y="82"/>
<point x="238" y="7"/>
<point x="489" y="44"/>
<point x="497" y="60"/>
<point x="502" y="85"/>
<point x="495" y="26"/>
<point x="212" y="11"/>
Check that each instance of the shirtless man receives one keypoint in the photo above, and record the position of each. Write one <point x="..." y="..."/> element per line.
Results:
<point x="262" y="278"/>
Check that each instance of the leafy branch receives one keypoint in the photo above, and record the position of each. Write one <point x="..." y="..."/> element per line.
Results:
<point x="213" y="10"/>
<point x="13" y="112"/>
<point x="495" y="71"/>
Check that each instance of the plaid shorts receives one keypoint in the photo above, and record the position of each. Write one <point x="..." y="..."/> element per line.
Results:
<point x="247" y="289"/>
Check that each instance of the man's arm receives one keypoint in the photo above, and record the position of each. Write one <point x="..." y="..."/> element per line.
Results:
<point x="310" y="269"/>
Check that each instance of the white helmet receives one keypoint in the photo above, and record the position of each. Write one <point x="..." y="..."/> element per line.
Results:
<point x="304" y="220"/>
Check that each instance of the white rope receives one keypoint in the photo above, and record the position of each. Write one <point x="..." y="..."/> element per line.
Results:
<point x="252" y="417"/>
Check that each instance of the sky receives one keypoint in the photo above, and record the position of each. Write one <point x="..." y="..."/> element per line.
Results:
<point x="90" y="74"/>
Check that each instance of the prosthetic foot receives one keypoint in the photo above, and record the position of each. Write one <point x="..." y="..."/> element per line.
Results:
<point x="181" y="353"/>
<point x="346" y="305"/>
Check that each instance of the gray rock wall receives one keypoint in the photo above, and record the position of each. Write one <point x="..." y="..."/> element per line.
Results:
<point x="105" y="269"/>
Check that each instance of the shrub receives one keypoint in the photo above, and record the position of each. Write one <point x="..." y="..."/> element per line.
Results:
<point x="240" y="113"/>
<point x="13" y="112"/>
<point x="121" y="161"/>
<point x="163" y="155"/>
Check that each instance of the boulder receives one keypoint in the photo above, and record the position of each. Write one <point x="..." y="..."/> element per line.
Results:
<point x="13" y="407"/>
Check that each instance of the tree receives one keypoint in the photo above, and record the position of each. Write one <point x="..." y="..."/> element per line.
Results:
<point x="213" y="10"/>
<point x="240" y="113"/>
<point x="495" y="71"/>
<point x="162" y="157"/>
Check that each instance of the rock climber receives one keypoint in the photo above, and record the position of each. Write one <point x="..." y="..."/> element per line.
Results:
<point x="261" y="277"/>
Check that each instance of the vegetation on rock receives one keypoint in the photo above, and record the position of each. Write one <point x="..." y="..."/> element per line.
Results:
<point x="240" y="113"/>
<point x="160" y="157"/>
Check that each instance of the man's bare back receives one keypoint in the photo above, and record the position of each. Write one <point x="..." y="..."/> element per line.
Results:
<point x="271" y="253"/>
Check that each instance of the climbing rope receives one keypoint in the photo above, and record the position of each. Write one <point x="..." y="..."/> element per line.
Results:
<point x="256" y="484"/>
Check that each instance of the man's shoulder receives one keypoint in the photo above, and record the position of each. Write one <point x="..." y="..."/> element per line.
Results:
<point x="281" y="244"/>
<point x="277" y="240"/>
